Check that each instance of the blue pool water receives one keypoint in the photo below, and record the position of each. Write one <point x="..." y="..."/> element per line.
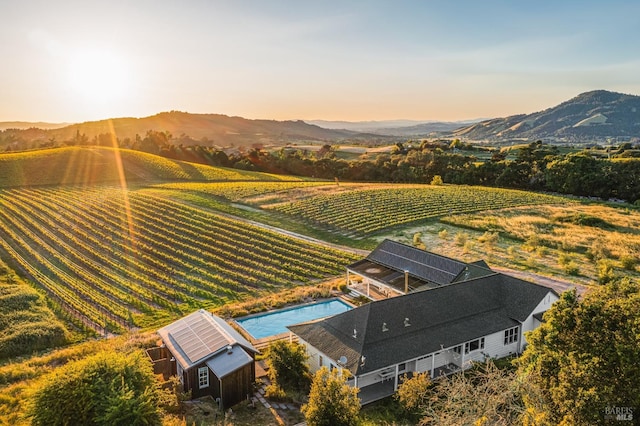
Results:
<point x="272" y="323"/>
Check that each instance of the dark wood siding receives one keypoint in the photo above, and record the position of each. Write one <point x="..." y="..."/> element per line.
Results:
<point x="194" y="384"/>
<point x="237" y="385"/>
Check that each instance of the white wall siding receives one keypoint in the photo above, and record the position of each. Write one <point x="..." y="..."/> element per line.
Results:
<point x="494" y="346"/>
<point x="531" y="323"/>
<point x="424" y="364"/>
<point x="314" y="356"/>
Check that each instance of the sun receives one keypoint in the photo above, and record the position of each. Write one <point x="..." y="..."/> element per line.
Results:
<point x="99" y="76"/>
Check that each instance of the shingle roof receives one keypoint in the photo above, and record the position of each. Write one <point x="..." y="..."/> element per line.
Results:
<point x="389" y="261"/>
<point x="198" y="336"/>
<point x="421" y="323"/>
<point x="419" y="263"/>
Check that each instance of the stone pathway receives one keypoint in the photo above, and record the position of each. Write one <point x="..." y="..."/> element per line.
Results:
<point x="271" y="406"/>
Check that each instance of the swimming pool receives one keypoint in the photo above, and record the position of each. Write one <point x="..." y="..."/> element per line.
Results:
<point x="273" y="323"/>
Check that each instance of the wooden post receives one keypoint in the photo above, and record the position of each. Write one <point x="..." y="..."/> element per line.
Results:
<point x="406" y="282"/>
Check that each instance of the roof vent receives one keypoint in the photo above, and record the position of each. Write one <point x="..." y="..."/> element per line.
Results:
<point x="229" y="349"/>
<point x="355" y="333"/>
<point x="362" y="359"/>
<point x="406" y="322"/>
<point x="384" y="327"/>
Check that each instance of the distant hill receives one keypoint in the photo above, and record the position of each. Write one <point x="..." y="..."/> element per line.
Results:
<point x="96" y="165"/>
<point x="30" y="125"/>
<point x="213" y="129"/>
<point x="590" y="116"/>
<point x="404" y="128"/>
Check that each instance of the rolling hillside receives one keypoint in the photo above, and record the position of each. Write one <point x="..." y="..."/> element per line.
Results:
<point x="209" y="129"/>
<point x="95" y="165"/>
<point x="590" y="116"/>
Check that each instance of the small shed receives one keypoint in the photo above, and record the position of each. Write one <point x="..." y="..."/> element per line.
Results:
<point x="210" y="357"/>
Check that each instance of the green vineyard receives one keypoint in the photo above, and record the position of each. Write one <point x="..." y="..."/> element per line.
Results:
<point x="238" y="191"/>
<point x="114" y="259"/>
<point x="369" y="210"/>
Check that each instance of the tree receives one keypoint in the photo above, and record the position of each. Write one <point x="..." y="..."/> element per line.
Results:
<point x="584" y="357"/>
<point x="332" y="402"/>
<point x="288" y="367"/>
<point x="484" y="395"/>
<point x="413" y="393"/>
<point x="106" y="389"/>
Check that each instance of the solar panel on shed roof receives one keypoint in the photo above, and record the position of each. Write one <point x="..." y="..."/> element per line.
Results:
<point x="199" y="337"/>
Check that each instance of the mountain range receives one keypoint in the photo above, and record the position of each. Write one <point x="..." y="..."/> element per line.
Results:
<point x="591" y="116"/>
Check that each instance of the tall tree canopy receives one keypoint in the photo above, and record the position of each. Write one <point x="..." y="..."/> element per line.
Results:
<point x="288" y="367"/>
<point x="584" y="357"/>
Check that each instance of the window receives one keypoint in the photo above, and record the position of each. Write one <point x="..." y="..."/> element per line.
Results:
<point x="458" y="349"/>
<point x="474" y="345"/>
<point x="402" y="367"/>
<point x="511" y="335"/>
<point x="203" y="377"/>
<point x="320" y="360"/>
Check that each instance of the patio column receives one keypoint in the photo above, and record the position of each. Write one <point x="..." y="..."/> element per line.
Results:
<point x="368" y="288"/>
<point x="395" y="379"/>
<point x="433" y="364"/>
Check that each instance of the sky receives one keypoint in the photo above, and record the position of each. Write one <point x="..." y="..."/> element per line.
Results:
<point x="76" y="61"/>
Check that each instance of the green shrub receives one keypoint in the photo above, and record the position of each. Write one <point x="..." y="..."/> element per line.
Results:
<point x="461" y="238"/>
<point x="331" y="400"/>
<point x="606" y="274"/>
<point x="532" y="243"/>
<point x="571" y="268"/>
<point x="598" y="251"/>
<point x="583" y="219"/>
<point x="468" y="247"/>
<point x="564" y="259"/>
<point x="275" y="392"/>
<point x="489" y="238"/>
<point x="542" y="251"/>
<point x="628" y="262"/>
<point x="288" y="368"/>
<point x="105" y="389"/>
<point x="437" y="180"/>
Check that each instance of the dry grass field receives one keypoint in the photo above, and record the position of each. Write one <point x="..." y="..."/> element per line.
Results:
<point x="578" y="242"/>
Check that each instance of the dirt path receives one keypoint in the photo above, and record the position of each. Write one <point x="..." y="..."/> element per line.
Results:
<point x="278" y="230"/>
<point x="304" y="237"/>
<point x="557" y="284"/>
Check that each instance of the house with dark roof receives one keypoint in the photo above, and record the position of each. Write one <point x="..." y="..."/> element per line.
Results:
<point x="208" y="356"/>
<point x="465" y="313"/>
<point x="394" y="268"/>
